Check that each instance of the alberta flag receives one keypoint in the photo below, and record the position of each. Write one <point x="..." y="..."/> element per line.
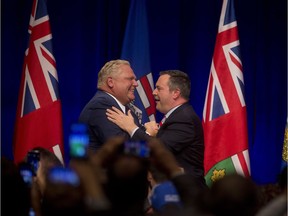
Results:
<point x="136" y="50"/>
<point x="38" y="117"/>
<point x="224" y="114"/>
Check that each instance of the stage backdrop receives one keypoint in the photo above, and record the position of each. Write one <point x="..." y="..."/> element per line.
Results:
<point x="182" y="35"/>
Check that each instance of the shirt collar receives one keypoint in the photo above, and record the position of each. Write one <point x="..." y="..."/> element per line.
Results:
<point x="118" y="102"/>
<point x="170" y="111"/>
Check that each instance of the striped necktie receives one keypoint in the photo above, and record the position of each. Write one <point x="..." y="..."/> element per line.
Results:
<point x="137" y="112"/>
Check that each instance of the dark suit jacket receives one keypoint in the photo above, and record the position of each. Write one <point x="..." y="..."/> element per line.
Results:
<point x="182" y="134"/>
<point x="100" y="128"/>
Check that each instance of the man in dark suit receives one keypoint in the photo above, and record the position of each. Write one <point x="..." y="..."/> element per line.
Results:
<point x="182" y="131"/>
<point x="116" y="86"/>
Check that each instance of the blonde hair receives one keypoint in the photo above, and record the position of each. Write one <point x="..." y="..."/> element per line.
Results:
<point x="111" y="68"/>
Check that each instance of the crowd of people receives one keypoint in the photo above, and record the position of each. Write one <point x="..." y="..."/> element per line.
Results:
<point x="113" y="182"/>
<point x="134" y="169"/>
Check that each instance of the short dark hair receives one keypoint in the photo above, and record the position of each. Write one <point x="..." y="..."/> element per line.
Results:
<point x="178" y="79"/>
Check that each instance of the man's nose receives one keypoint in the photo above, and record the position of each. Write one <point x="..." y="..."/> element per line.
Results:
<point x="135" y="83"/>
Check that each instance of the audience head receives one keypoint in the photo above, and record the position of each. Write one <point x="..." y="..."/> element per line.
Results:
<point x="15" y="195"/>
<point x="234" y="195"/>
<point x="272" y="190"/>
<point x="117" y="78"/>
<point x="63" y="194"/>
<point x="155" y="176"/>
<point x="76" y="190"/>
<point x="164" y="198"/>
<point x="127" y="184"/>
<point x="172" y="89"/>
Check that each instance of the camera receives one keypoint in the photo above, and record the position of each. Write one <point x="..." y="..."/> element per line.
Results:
<point x="26" y="173"/>
<point x="33" y="158"/>
<point x="78" y="140"/>
<point x="139" y="149"/>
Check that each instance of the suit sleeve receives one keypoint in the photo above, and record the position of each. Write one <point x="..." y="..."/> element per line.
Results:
<point x="177" y="135"/>
<point x="103" y="127"/>
<point x="140" y="135"/>
<point x="99" y="125"/>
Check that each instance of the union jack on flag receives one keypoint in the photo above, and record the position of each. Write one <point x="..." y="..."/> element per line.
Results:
<point x="224" y="114"/>
<point x="39" y="117"/>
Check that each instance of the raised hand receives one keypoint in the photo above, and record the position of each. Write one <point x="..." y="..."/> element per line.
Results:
<point x="125" y="122"/>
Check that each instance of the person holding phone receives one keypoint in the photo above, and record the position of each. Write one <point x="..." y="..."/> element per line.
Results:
<point x="46" y="160"/>
<point x="40" y="160"/>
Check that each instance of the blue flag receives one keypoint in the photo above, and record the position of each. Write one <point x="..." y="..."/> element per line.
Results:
<point x="136" y="50"/>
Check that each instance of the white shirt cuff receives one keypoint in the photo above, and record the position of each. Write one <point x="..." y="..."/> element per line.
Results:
<point x="134" y="131"/>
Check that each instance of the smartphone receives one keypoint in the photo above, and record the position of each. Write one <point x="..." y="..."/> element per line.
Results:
<point x="78" y="140"/>
<point x="62" y="175"/>
<point x="33" y="159"/>
<point x="26" y="173"/>
<point x="139" y="149"/>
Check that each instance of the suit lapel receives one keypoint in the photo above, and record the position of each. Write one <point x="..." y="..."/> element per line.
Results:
<point x="173" y="115"/>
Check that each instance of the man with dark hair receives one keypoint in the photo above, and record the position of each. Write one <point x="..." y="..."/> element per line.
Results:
<point x="180" y="130"/>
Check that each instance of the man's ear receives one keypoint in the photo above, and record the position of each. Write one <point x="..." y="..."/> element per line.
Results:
<point x="176" y="93"/>
<point x="110" y="82"/>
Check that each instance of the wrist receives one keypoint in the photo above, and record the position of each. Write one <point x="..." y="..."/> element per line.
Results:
<point x="133" y="130"/>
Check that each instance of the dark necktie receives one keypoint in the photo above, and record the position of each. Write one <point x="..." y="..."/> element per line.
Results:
<point x="136" y="112"/>
<point x="126" y="109"/>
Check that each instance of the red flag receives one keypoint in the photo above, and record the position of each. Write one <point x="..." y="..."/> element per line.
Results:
<point x="39" y="117"/>
<point x="224" y="115"/>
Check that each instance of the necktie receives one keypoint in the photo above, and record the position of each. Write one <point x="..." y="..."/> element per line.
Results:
<point x="162" y="121"/>
<point x="137" y="112"/>
<point x="126" y="109"/>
